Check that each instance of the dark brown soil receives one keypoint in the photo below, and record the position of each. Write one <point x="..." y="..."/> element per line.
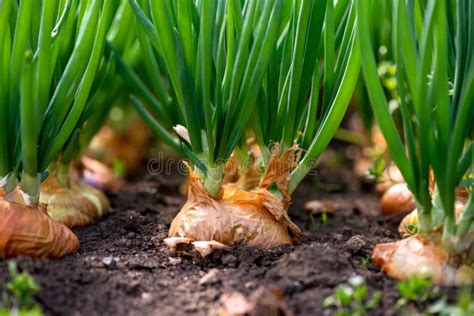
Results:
<point x="148" y="280"/>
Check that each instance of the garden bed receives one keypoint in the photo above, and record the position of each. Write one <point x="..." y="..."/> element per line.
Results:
<point x="144" y="278"/>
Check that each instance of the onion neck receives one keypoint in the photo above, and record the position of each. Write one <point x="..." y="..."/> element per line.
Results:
<point x="276" y="192"/>
<point x="213" y="180"/>
<point x="62" y="174"/>
<point x="466" y="220"/>
<point x="8" y="183"/>
<point x="30" y="186"/>
<point x="244" y="161"/>
<point x="424" y="217"/>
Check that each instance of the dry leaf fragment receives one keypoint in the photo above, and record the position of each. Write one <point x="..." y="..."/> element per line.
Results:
<point x="205" y="248"/>
<point x="234" y="304"/>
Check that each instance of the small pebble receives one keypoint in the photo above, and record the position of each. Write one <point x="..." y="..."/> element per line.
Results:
<point x="109" y="262"/>
<point x="174" y="261"/>
<point x="212" y="276"/>
<point x="355" y="244"/>
<point x="147" y="298"/>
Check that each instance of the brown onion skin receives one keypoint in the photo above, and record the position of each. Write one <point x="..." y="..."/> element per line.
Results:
<point x="255" y="218"/>
<point x="29" y="231"/>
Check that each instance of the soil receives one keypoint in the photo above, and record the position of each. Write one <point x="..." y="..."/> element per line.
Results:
<point x="123" y="267"/>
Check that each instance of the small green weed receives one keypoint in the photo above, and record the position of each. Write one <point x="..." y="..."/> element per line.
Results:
<point x="365" y="262"/>
<point x="464" y="305"/>
<point x="352" y="298"/>
<point x="376" y="170"/>
<point x="416" y="289"/>
<point x="419" y="290"/>
<point x="17" y="296"/>
<point x="316" y="223"/>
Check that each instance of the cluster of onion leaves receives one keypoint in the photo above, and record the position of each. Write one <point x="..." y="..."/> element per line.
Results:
<point x="380" y="30"/>
<point x="48" y="66"/>
<point x="108" y="87"/>
<point x="215" y="55"/>
<point x="290" y="109"/>
<point x="256" y="67"/>
<point x="434" y="54"/>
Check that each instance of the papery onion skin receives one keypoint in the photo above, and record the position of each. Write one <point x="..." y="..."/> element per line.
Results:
<point x="250" y="179"/>
<point x="238" y="218"/>
<point x="255" y="218"/>
<point x="29" y="231"/>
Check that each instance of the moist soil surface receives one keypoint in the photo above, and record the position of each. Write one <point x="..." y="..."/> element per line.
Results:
<point x="123" y="267"/>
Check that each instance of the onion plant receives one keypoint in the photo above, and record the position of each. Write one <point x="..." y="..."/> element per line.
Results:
<point x="237" y="66"/>
<point x="51" y="53"/>
<point x="113" y="135"/>
<point x="215" y="87"/>
<point x="291" y="109"/>
<point x="66" y="191"/>
<point x="434" y="55"/>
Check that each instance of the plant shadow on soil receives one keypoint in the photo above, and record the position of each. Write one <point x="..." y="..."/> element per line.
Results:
<point x="144" y="278"/>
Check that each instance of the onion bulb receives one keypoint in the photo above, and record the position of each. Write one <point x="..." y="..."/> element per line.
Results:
<point x="72" y="203"/>
<point x="129" y="146"/>
<point x="396" y="200"/>
<point x="417" y="256"/>
<point x="423" y="255"/>
<point x="99" y="175"/>
<point x="29" y="231"/>
<point x="411" y="220"/>
<point x="255" y="218"/>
